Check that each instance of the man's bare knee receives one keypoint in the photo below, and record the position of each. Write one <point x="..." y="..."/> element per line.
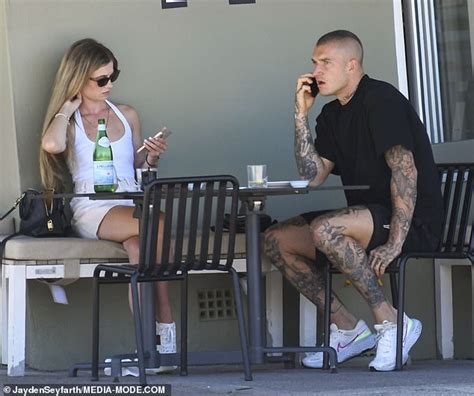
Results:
<point x="271" y="241"/>
<point x="329" y="230"/>
<point x="280" y="244"/>
<point x="325" y="234"/>
<point x="279" y="237"/>
<point x="289" y="239"/>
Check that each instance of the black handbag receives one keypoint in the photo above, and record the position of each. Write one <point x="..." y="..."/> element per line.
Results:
<point x="42" y="215"/>
<point x="265" y="222"/>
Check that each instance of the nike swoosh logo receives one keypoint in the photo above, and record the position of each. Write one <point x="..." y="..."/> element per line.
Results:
<point x="340" y="346"/>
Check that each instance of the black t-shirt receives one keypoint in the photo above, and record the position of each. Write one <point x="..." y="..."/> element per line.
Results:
<point x="356" y="136"/>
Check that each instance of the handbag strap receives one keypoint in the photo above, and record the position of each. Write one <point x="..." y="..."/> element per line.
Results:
<point x="3" y="243"/>
<point x="17" y="202"/>
<point x="24" y="231"/>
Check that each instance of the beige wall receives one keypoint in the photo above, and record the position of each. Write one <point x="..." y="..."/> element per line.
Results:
<point x="59" y="335"/>
<point x="9" y="176"/>
<point x="221" y="77"/>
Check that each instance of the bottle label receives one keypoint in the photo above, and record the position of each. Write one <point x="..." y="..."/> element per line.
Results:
<point x="101" y="127"/>
<point x="103" y="173"/>
<point x="104" y="142"/>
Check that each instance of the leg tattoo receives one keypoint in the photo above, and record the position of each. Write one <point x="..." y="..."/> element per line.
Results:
<point x="349" y="257"/>
<point x="300" y="271"/>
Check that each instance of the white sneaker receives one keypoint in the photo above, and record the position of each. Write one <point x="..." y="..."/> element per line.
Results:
<point x="385" y="357"/>
<point x="132" y="370"/>
<point x="167" y="333"/>
<point x="347" y="344"/>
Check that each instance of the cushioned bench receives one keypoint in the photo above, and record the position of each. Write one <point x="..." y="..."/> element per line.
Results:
<point x="63" y="259"/>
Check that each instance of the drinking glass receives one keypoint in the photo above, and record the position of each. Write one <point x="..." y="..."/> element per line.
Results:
<point x="257" y="176"/>
<point x="144" y="176"/>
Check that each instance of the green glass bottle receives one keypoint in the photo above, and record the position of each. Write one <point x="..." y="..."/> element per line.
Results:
<point x="104" y="172"/>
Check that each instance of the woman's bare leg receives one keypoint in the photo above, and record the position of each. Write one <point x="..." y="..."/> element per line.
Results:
<point x="119" y="225"/>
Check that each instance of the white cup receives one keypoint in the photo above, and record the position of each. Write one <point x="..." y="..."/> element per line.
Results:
<point x="257" y="176"/>
<point x="138" y="174"/>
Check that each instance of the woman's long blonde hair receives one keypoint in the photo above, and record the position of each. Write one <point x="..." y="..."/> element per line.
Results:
<point x="77" y="65"/>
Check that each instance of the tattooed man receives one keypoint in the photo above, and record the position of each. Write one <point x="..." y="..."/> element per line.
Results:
<point x="369" y="135"/>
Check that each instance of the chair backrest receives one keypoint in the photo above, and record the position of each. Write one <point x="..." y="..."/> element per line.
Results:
<point x="198" y="225"/>
<point x="457" y="189"/>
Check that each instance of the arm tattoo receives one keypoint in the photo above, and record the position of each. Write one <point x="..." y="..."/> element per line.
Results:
<point x="308" y="160"/>
<point x="403" y="191"/>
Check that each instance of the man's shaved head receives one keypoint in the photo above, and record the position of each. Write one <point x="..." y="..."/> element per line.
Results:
<point x="347" y="40"/>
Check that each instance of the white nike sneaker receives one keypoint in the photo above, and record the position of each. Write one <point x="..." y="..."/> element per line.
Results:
<point x="167" y="334"/>
<point x="385" y="357"/>
<point x="347" y="344"/>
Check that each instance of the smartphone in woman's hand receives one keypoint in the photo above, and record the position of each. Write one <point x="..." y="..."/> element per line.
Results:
<point x="162" y="133"/>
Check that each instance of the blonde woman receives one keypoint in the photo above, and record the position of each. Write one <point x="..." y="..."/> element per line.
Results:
<point x="79" y="98"/>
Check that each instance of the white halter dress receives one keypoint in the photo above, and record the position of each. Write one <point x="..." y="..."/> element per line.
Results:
<point x="88" y="214"/>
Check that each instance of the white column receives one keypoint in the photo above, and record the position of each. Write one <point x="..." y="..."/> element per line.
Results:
<point x="444" y="308"/>
<point x="16" y="320"/>
<point x="274" y="307"/>
<point x="308" y="322"/>
<point x="4" y="287"/>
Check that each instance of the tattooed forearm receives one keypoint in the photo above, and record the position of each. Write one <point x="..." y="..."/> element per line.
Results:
<point x="403" y="191"/>
<point x="308" y="161"/>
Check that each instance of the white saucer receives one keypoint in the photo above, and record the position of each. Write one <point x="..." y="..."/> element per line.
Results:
<point x="299" y="183"/>
<point x="278" y="184"/>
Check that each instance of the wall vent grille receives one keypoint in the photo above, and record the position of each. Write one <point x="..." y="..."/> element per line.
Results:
<point x="216" y="304"/>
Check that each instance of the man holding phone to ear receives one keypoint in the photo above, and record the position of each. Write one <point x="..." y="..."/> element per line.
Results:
<point x="369" y="135"/>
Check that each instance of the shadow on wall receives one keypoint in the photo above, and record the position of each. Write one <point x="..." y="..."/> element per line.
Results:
<point x="468" y="132"/>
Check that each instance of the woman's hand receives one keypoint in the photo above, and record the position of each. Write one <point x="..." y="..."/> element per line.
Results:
<point x="155" y="147"/>
<point x="71" y="105"/>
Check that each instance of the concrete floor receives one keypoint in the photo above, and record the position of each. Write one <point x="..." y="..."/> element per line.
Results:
<point x="449" y="377"/>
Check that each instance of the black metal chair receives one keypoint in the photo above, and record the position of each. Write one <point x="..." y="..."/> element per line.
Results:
<point x="457" y="191"/>
<point x="190" y="205"/>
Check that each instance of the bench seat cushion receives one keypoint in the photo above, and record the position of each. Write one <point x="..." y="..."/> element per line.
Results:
<point x="48" y="250"/>
<point x="24" y="248"/>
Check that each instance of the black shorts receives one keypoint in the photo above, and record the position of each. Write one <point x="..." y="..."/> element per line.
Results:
<point x="419" y="237"/>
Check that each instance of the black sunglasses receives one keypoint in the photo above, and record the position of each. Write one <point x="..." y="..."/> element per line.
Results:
<point x="103" y="81"/>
